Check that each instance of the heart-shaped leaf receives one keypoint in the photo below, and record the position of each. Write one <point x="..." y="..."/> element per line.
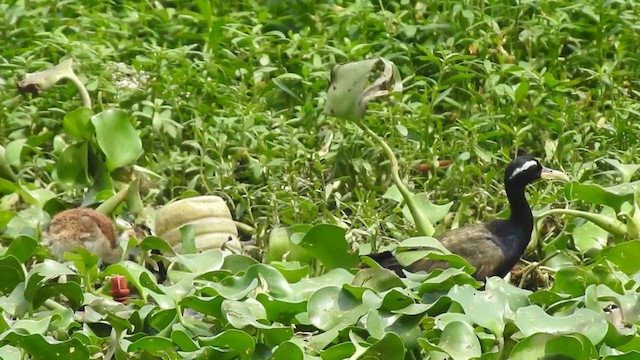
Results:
<point x="117" y="138"/>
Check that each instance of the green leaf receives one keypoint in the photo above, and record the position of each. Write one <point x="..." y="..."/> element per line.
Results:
<point x="459" y="340"/>
<point x="278" y="244"/>
<point x="390" y="347"/>
<point x="156" y="243"/>
<point x="40" y="274"/>
<point x="209" y="260"/>
<point x="281" y="311"/>
<point x="238" y="341"/>
<point x="72" y="166"/>
<point x="533" y="319"/>
<point x="287" y="351"/>
<point x="613" y="196"/>
<point x="77" y="124"/>
<point x="117" y="138"/>
<point x="13" y="152"/>
<point x="22" y="247"/>
<point x="548" y="346"/>
<point x="329" y="245"/>
<point x="46" y="348"/>
<point x="332" y="307"/>
<point x="435" y="213"/>
<point x="153" y="344"/>
<point x="588" y="235"/>
<point x="70" y="290"/>
<point x="269" y="279"/>
<point x="347" y="97"/>
<point x="522" y="90"/>
<point x="493" y="307"/>
<point x="624" y="255"/>
<point x="242" y="314"/>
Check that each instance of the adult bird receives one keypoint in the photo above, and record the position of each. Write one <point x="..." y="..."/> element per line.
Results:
<point x="494" y="247"/>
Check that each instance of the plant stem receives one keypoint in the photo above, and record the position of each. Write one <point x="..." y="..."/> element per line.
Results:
<point x="84" y="94"/>
<point x="52" y="305"/>
<point x="245" y="228"/>
<point x="611" y="225"/>
<point x="113" y="202"/>
<point x="422" y="222"/>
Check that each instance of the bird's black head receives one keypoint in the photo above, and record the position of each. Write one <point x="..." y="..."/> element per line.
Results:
<point x="525" y="169"/>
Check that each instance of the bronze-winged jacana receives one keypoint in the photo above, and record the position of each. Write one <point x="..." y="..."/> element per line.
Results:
<point x="494" y="247"/>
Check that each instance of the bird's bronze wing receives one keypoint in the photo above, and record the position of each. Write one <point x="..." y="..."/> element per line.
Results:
<point x="475" y="244"/>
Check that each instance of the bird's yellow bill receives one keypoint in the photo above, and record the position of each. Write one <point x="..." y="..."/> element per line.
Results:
<point x="550" y="174"/>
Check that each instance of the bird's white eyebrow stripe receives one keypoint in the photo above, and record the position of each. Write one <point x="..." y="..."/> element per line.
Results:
<point x="522" y="168"/>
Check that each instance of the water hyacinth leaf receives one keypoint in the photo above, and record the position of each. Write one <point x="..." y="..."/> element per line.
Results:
<point x="303" y="289"/>
<point x="281" y="311"/>
<point x="206" y="261"/>
<point x="72" y="166"/>
<point x="613" y="196"/>
<point x="6" y="172"/>
<point x="459" y="340"/>
<point x="287" y="351"/>
<point x="588" y="236"/>
<point x="377" y="279"/>
<point x="188" y="239"/>
<point x="117" y="138"/>
<point x="277" y="334"/>
<point x="22" y="247"/>
<point x="12" y="274"/>
<point x="569" y="280"/>
<point x="347" y="96"/>
<point x="70" y="290"/>
<point x="332" y="307"/>
<point x="338" y="352"/>
<point x="236" y="263"/>
<point x="293" y="271"/>
<point x="156" y="243"/>
<point x="435" y="213"/>
<point x="8" y="352"/>
<point x="238" y="341"/>
<point x="488" y="308"/>
<point x="183" y="340"/>
<point x="44" y="347"/>
<point x="208" y="306"/>
<point x="241" y="314"/>
<point x="549" y="346"/>
<point x="532" y="319"/>
<point x="41" y="273"/>
<point x="278" y="244"/>
<point x="624" y="255"/>
<point x="77" y="124"/>
<point x="15" y="304"/>
<point x="389" y="347"/>
<point x="516" y="297"/>
<point x="153" y="344"/>
<point x="13" y="152"/>
<point x="626" y="170"/>
<point x="268" y="279"/>
<point x="444" y="279"/>
<point x="329" y="245"/>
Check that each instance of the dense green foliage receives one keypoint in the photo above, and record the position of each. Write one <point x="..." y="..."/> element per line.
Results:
<point x="226" y="98"/>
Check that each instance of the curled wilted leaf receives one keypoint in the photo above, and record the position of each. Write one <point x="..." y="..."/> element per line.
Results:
<point x="347" y="96"/>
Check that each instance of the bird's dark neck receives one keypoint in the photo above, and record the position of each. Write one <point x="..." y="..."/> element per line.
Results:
<point x="521" y="217"/>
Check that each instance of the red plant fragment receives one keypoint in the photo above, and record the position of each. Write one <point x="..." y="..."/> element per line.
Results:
<point x="119" y="289"/>
<point x="427" y="167"/>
